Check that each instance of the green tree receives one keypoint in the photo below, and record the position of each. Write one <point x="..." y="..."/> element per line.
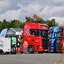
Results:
<point x="51" y="23"/>
<point x="1" y="25"/>
<point x="5" y="24"/>
<point x="38" y="19"/>
<point x="29" y="19"/>
<point x="34" y="18"/>
<point x="22" y="25"/>
<point x="15" y="24"/>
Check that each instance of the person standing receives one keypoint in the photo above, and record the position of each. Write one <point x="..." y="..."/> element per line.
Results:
<point x="25" y="45"/>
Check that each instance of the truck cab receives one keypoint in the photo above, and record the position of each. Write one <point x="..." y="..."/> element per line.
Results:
<point x="37" y="37"/>
<point x="52" y="32"/>
<point x="56" y="39"/>
<point x="60" y="41"/>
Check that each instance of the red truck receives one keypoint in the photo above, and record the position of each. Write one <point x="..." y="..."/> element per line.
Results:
<point x="36" y="35"/>
<point x="60" y="40"/>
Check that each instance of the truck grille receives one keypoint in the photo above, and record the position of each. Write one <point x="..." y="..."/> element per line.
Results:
<point x="45" y="43"/>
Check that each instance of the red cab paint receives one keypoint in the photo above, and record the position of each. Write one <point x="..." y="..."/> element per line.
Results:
<point x="36" y="35"/>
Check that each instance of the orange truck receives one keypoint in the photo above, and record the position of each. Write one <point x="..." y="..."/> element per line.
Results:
<point x="36" y="35"/>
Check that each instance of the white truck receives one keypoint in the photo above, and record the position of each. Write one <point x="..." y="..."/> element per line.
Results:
<point x="5" y="46"/>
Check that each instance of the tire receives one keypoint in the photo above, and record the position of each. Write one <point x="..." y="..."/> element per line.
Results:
<point x="21" y="52"/>
<point x="13" y="50"/>
<point x="1" y="51"/>
<point x="7" y="52"/>
<point x="31" y="49"/>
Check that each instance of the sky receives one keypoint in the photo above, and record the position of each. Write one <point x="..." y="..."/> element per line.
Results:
<point x="46" y="9"/>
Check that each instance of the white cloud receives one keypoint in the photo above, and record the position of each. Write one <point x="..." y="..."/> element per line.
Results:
<point x="33" y="8"/>
<point x="4" y="4"/>
<point x="54" y="2"/>
<point x="53" y="11"/>
<point x="14" y="9"/>
<point x="57" y="1"/>
<point x="10" y="15"/>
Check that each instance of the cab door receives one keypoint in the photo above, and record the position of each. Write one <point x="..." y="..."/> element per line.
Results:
<point x="13" y="45"/>
<point x="13" y="40"/>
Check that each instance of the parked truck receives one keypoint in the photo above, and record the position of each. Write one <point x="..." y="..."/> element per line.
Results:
<point x="56" y="39"/>
<point x="36" y="35"/>
<point x="60" y="40"/>
<point x="52" y="35"/>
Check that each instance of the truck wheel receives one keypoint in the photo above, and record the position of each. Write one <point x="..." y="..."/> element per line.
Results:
<point x="1" y="51"/>
<point x="13" y="50"/>
<point x="31" y="49"/>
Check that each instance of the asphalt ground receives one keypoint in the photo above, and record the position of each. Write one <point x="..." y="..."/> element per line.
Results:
<point x="45" y="58"/>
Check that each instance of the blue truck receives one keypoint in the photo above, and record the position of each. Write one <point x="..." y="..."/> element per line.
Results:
<point x="53" y="38"/>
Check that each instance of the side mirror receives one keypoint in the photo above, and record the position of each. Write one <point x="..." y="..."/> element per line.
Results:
<point x="50" y="30"/>
<point x="49" y="35"/>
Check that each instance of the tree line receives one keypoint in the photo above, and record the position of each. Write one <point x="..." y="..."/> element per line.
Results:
<point x="20" y="24"/>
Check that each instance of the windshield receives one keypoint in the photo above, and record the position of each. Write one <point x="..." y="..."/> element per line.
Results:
<point x="34" y="32"/>
<point x="44" y="33"/>
<point x="59" y="34"/>
<point x="50" y="35"/>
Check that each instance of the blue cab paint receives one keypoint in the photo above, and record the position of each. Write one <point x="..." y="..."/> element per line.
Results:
<point x="52" y="32"/>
